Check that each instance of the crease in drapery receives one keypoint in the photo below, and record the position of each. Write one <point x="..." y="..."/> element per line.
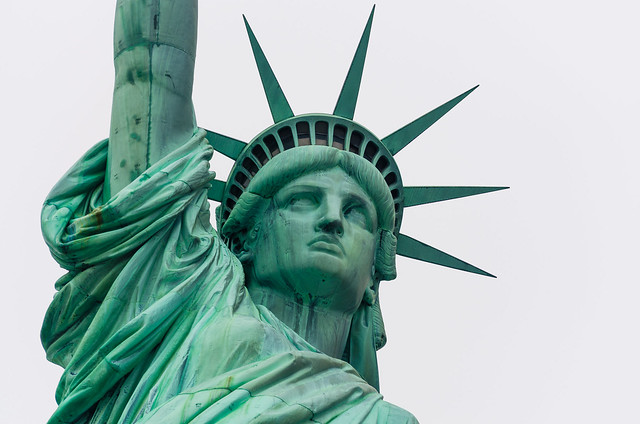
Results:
<point x="134" y="263"/>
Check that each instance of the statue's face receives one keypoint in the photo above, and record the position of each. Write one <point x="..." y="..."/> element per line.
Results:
<point x="317" y="241"/>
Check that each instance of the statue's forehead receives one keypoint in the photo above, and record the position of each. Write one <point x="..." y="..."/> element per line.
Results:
<point x="334" y="180"/>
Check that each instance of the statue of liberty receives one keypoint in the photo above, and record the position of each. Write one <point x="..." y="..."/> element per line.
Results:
<point x="273" y="317"/>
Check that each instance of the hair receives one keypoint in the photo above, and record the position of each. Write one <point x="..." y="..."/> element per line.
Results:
<point x="294" y="163"/>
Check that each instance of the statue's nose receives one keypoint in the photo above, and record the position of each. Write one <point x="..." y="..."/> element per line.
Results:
<point x="331" y="220"/>
<point x="331" y="226"/>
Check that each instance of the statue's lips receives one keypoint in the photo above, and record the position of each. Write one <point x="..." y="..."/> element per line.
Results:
<point x="327" y="243"/>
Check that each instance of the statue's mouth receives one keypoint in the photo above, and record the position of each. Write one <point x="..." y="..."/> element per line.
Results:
<point x="328" y="243"/>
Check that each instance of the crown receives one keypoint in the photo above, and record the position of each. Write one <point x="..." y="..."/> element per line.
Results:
<point x="338" y="130"/>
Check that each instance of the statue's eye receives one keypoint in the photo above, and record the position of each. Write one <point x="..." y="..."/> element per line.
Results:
<point x="302" y="201"/>
<point x="357" y="214"/>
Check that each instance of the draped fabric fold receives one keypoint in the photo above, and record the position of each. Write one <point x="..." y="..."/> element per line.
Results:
<point x="152" y="323"/>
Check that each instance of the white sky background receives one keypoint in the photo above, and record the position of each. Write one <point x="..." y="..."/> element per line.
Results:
<point x="553" y="340"/>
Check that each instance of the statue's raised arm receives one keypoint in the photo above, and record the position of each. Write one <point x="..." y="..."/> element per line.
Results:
<point x="152" y="113"/>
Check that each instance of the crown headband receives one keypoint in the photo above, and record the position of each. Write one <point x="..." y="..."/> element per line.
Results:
<point x="337" y="130"/>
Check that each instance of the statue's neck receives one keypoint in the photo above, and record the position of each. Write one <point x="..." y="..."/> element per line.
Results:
<point x="325" y="329"/>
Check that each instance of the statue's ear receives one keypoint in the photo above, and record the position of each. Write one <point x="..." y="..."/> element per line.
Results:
<point x="242" y="244"/>
<point x="385" y="261"/>
<point x="384" y="265"/>
<point x="245" y="256"/>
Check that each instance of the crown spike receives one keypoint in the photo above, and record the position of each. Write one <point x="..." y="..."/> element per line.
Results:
<point x="280" y="109"/>
<point x="346" y="104"/>
<point x="414" y="196"/>
<point x="217" y="190"/>
<point x="230" y="147"/>
<point x="405" y="135"/>
<point x="415" y="249"/>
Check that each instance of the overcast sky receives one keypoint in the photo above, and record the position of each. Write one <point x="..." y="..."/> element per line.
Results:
<point x="553" y="340"/>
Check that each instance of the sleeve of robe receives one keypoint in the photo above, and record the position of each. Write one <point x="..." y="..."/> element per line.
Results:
<point x="152" y="322"/>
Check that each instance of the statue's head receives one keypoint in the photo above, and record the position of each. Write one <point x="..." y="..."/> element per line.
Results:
<point x="316" y="223"/>
<point x="342" y="162"/>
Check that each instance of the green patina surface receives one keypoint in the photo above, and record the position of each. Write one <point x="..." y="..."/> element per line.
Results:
<point x="275" y="317"/>
<point x="152" y="112"/>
